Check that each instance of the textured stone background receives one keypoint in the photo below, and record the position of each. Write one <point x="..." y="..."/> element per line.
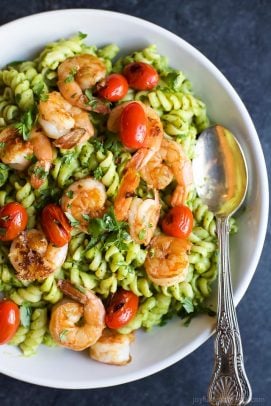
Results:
<point x="235" y="35"/>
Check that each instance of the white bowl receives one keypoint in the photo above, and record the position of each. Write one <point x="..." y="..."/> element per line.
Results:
<point x="163" y="346"/>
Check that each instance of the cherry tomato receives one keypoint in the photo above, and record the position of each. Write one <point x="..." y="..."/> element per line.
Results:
<point x="178" y="222"/>
<point x="13" y="220"/>
<point x="122" y="308"/>
<point x="55" y="225"/>
<point x="133" y="125"/>
<point x="114" y="88"/>
<point x="9" y="320"/>
<point x="141" y="76"/>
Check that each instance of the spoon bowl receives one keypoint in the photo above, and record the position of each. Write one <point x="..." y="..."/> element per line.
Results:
<point x="220" y="171"/>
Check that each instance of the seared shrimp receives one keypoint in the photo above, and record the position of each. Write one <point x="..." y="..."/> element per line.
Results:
<point x="43" y="151"/>
<point x="86" y="197"/>
<point x="77" y="324"/>
<point x="153" y="138"/>
<point x="126" y="192"/>
<point x="112" y="348"/>
<point x="167" y="260"/>
<point x="77" y="74"/>
<point x="66" y="124"/>
<point x="33" y="257"/>
<point x="143" y="218"/>
<point x="168" y="163"/>
<point x="14" y="151"/>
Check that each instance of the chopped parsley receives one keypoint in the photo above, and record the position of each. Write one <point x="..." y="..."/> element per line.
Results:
<point x="142" y="234"/>
<point x="26" y="124"/>
<point x="39" y="172"/>
<point x="25" y="315"/>
<point x="86" y="217"/>
<point x="116" y="230"/>
<point x="98" y="173"/>
<point x="2" y="144"/>
<point x="72" y="220"/>
<point x="81" y="35"/>
<point x="91" y="100"/>
<point x="70" y="77"/>
<point x="63" y="335"/>
<point x="69" y="193"/>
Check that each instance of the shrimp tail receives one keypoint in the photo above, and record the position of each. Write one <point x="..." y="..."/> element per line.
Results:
<point x="69" y="290"/>
<point x="71" y="139"/>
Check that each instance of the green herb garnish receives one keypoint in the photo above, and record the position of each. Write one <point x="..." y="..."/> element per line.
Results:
<point x="26" y="124"/>
<point x="25" y="315"/>
<point x="72" y="220"/>
<point x="70" y="77"/>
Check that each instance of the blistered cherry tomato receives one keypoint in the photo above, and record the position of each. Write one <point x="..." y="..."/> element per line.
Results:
<point x="55" y="225"/>
<point x="133" y="125"/>
<point x="122" y="307"/>
<point x="114" y="88"/>
<point x="9" y="320"/>
<point x="13" y="220"/>
<point x="141" y="76"/>
<point x="178" y="222"/>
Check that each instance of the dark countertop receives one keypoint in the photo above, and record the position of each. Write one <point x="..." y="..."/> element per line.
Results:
<point x="235" y="35"/>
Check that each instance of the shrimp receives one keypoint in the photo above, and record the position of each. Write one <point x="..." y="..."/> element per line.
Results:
<point x="39" y="173"/>
<point x="167" y="260"/>
<point x="43" y="151"/>
<point x="33" y="257"/>
<point x="80" y="73"/>
<point x="153" y="138"/>
<point x="86" y="309"/>
<point x="168" y="163"/>
<point x="112" y="348"/>
<point x="143" y="218"/>
<point x="86" y="197"/>
<point x="14" y="151"/>
<point x="66" y="124"/>
<point x="126" y="192"/>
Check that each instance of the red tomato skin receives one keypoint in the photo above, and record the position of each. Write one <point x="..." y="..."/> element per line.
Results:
<point x="178" y="222"/>
<point x="9" y="320"/>
<point x="115" y="88"/>
<point x="122" y="308"/>
<point x="55" y="225"/>
<point x="133" y="126"/>
<point x="13" y="218"/>
<point x="141" y="76"/>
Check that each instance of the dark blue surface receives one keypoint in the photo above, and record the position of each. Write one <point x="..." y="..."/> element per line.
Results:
<point x="236" y="36"/>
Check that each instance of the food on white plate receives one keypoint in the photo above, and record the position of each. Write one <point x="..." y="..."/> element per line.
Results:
<point x="101" y="230"/>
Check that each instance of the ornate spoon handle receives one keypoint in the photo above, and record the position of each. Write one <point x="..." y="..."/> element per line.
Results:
<point x="247" y="392"/>
<point x="226" y="388"/>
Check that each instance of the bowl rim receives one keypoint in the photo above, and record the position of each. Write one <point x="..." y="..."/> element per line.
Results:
<point x="258" y="152"/>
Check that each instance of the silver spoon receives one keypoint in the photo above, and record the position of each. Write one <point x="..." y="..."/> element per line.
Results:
<point x="220" y="176"/>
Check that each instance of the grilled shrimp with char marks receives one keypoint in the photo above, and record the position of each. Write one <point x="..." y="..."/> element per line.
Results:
<point x="77" y="323"/>
<point x="84" y="197"/>
<point x="80" y="73"/>
<point x="67" y="125"/>
<point x="33" y="257"/>
<point x="14" y="151"/>
<point x="112" y="348"/>
<point x="167" y="260"/>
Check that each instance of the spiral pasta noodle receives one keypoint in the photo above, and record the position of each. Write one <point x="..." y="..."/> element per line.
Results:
<point x="35" y="335"/>
<point x="17" y="81"/>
